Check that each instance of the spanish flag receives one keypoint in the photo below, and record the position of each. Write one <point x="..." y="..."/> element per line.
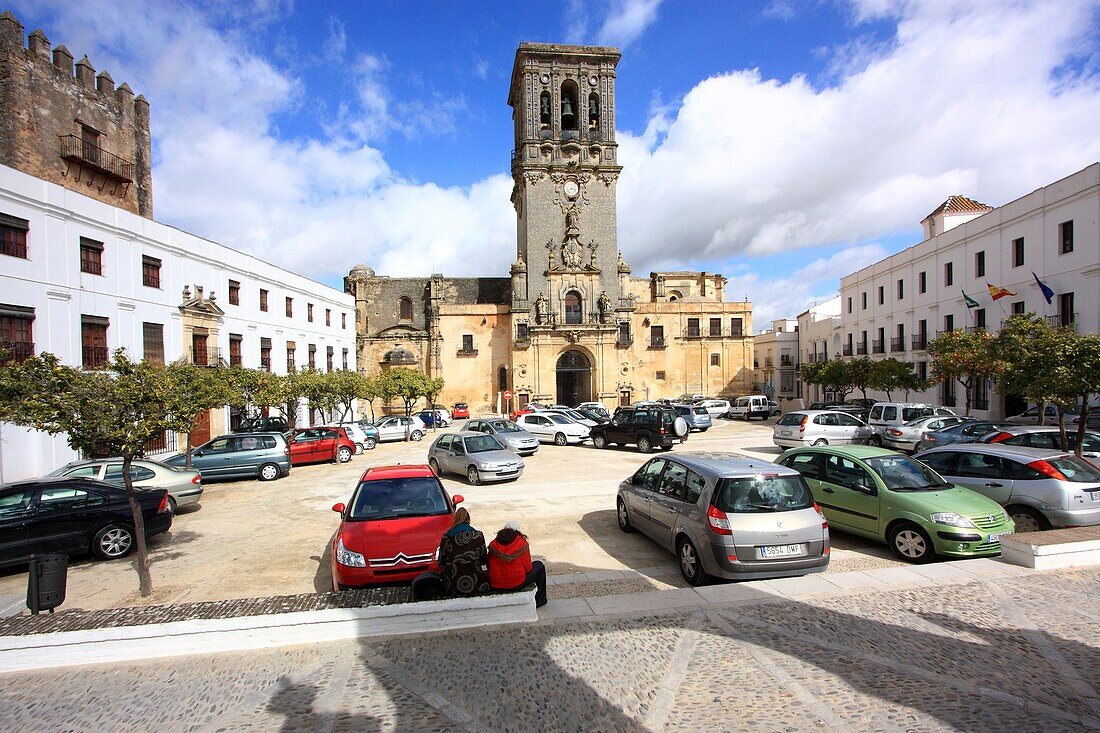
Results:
<point x="998" y="293"/>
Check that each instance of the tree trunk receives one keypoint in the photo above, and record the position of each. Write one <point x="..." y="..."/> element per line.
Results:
<point x="1081" y="426"/>
<point x="966" y="390"/>
<point x="889" y="397"/>
<point x="188" y="461"/>
<point x="1042" y="408"/>
<point x="1062" y="429"/>
<point x="141" y="558"/>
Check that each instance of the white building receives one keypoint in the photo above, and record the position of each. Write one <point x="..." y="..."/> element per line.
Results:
<point x="895" y="306"/>
<point x="80" y="278"/>
<point x="819" y="329"/>
<point x="775" y="356"/>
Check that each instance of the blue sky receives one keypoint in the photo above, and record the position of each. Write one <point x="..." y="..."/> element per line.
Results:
<point x="782" y="143"/>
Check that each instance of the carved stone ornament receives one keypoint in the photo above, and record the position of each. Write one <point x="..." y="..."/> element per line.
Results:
<point x="573" y="336"/>
<point x="534" y="176"/>
<point x="557" y="178"/>
<point x="609" y="178"/>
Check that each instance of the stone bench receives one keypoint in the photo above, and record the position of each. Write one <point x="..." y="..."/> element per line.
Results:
<point x="123" y="635"/>
<point x="1059" y="548"/>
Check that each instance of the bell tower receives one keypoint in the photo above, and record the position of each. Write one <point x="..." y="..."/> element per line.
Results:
<point x="565" y="171"/>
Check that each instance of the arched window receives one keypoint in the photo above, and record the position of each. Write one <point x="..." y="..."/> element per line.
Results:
<point x="573" y="311"/>
<point x="569" y="110"/>
<point x="674" y="295"/>
<point x="544" y="109"/>
<point x="502" y="377"/>
<point x="594" y="111"/>
<point x="405" y="309"/>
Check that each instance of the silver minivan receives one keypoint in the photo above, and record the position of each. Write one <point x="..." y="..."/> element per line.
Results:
<point x="1039" y="488"/>
<point x="726" y="515"/>
<point x="820" y="427"/>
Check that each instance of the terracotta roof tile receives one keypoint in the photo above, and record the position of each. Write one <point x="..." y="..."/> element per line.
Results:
<point x="959" y="205"/>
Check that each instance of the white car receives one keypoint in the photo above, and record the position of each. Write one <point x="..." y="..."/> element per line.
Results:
<point x="596" y="407"/>
<point x="716" y="408"/>
<point x="358" y="436"/>
<point x="572" y="415"/>
<point x="551" y="428"/>
<point x="399" y="427"/>
<point x="820" y="427"/>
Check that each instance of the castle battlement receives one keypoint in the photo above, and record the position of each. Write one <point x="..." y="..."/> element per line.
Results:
<point x="68" y="124"/>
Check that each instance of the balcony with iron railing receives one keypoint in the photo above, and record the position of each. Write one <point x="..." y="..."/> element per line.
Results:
<point x="1063" y="319"/>
<point x="15" y="351"/>
<point x="657" y="342"/>
<point x="768" y="362"/>
<point x="975" y="329"/>
<point x="467" y="352"/>
<point x="624" y="339"/>
<point x="208" y="357"/>
<point x="920" y="342"/>
<point x="897" y="343"/>
<point x="785" y="360"/>
<point x="846" y="350"/>
<point x="878" y="347"/>
<point x="861" y="349"/>
<point x="523" y="340"/>
<point x="75" y="149"/>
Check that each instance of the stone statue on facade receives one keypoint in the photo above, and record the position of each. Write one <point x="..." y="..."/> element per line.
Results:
<point x="603" y="304"/>
<point x="541" y="304"/>
<point x="572" y="253"/>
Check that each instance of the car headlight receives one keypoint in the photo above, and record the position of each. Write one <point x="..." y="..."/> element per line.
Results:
<point x="347" y="558"/>
<point x="951" y="519"/>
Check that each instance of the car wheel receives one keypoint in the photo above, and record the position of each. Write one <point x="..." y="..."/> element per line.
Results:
<point x="690" y="565"/>
<point x="820" y="441"/>
<point x="911" y="543"/>
<point x="359" y="449"/>
<point x="370" y="443"/>
<point x="560" y="439"/>
<point x="1027" y="519"/>
<point x="875" y="441"/>
<point x="171" y="505"/>
<point x="434" y="465"/>
<point x="473" y="476"/>
<point x="599" y="441"/>
<point x="624" y="518"/>
<point x="113" y="541"/>
<point x="746" y="417"/>
<point x="416" y="435"/>
<point x="269" y="472"/>
<point x="644" y="446"/>
<point x="703" y="430"/>
<point x="343" y="454"/>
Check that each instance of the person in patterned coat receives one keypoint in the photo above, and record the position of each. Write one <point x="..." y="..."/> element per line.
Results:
<point x="463" y="558"/>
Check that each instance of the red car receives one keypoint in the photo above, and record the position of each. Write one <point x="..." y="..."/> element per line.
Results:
<point x="390" y="530"/>
<point x="461" y="411"/>
<point x="315" y="445"/>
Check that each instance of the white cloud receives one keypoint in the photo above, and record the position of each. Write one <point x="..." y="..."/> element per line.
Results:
<point x="966" y="99"/>
<point x="627" y="20"/>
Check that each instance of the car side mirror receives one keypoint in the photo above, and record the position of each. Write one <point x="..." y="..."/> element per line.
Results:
<point x="458" y="498"/>
<point x="864" y="488"/>
<point x="338" y="508"/>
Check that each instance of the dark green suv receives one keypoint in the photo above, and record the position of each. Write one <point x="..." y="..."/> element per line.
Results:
<point x="648" y="427"/>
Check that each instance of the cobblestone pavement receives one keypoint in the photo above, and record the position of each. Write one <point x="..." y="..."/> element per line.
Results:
<point x="1017" y="652"/>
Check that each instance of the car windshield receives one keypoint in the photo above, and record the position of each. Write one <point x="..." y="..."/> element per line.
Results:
<point x="902" y="473"/>
<point x="1076" y="470"/>
<point x="574" y="414"/>
<point x="506" y="426"/>
<point x="418" y="496"/>
<point x="481" y="444"/>
<point x="561" y="420"/>
<point x="912" y="413"/>
<point x="762" y="493"/>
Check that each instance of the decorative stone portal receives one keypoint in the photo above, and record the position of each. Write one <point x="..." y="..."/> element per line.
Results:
<point x="574" y="377"/>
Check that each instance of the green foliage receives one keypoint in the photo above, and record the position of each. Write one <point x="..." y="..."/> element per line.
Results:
<point x="831" y="374"/>
<point x="860" y="373"/>
<point x="965" y="357"/>
<point x="191" y="391"/>
<point x="890" y="375"/>
<point x="407" y="384"/>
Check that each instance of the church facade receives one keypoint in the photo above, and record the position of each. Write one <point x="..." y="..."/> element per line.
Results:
<point x="570" y="323"/>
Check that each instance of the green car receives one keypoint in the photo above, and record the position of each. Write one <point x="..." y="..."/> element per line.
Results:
<point x="884" y="495"/>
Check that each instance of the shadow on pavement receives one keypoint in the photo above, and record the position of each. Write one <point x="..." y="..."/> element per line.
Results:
<point x="633" y="549"/>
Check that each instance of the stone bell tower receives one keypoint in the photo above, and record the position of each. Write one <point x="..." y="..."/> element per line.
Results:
<point x="565" y="169"/>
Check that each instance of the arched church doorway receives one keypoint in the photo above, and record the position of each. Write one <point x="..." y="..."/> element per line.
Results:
<point x="574" y="377"/>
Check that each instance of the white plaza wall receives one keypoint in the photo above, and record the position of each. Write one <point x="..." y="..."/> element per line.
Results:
<point x="50" y="281"/>
<point x="1036" y="218"/>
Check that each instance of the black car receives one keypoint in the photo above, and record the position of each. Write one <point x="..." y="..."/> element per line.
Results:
<point x="263" y="425"/>
<point x="647" y="427"/>
<point x="74" y="516"/>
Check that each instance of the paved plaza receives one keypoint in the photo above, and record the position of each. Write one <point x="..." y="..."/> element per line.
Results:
<point x="978" y="646"/>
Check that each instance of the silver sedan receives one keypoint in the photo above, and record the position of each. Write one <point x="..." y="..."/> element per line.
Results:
<point x="476" y="456"/>
<point x="909" y="435"/>
<point x="184" y="485"/>
<point x="510" y="435"/>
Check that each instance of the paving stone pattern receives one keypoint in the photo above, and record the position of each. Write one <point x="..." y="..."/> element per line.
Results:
<point x="1018" y="652"/>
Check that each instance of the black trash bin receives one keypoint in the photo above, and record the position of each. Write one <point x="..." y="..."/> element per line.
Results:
<point x="46" y="582"/>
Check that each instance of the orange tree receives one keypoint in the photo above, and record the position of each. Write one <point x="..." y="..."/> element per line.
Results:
<point x="966" y="357"/>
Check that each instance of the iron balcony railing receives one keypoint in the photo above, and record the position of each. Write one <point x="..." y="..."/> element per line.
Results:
<point x="768" y="361"/>
<point x="624" y="339"/>
<point x="208" y="357"/>
<point x="1063" y="319"/>
<point x="785" y="361"/>
<point x="467" y="352"/>
<point x="15" y="351"/>
<point x="95" y="357"/>
<point x="861" y="349"/>
<point x="878" y="347"/>
<point x="846" y="350"/>
<point x="920" y="342"/>
<point x="897" y="344"/>
<point x="74" y="148"/>
<point x="265" y="364"/>
<point x="657" y="342"/>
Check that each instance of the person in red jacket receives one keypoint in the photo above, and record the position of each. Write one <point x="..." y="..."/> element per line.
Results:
<point x="510" y="565"/>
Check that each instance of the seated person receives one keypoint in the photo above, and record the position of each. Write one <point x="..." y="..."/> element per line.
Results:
<point x="462" y="563"/>
<point x="510" y="565"/>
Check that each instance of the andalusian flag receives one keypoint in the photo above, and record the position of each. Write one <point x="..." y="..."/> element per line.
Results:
<point x="1048" y="293"/>
<point x="998" y="293"/>
<point x="970" y="302"/>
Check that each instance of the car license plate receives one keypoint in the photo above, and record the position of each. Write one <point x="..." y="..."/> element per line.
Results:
<point x="997" y="537"/>
<point x="785" y="433"/>
<point x="781" y="551"/>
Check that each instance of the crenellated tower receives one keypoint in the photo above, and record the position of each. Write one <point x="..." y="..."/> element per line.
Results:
<point x="71" y="126"/>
